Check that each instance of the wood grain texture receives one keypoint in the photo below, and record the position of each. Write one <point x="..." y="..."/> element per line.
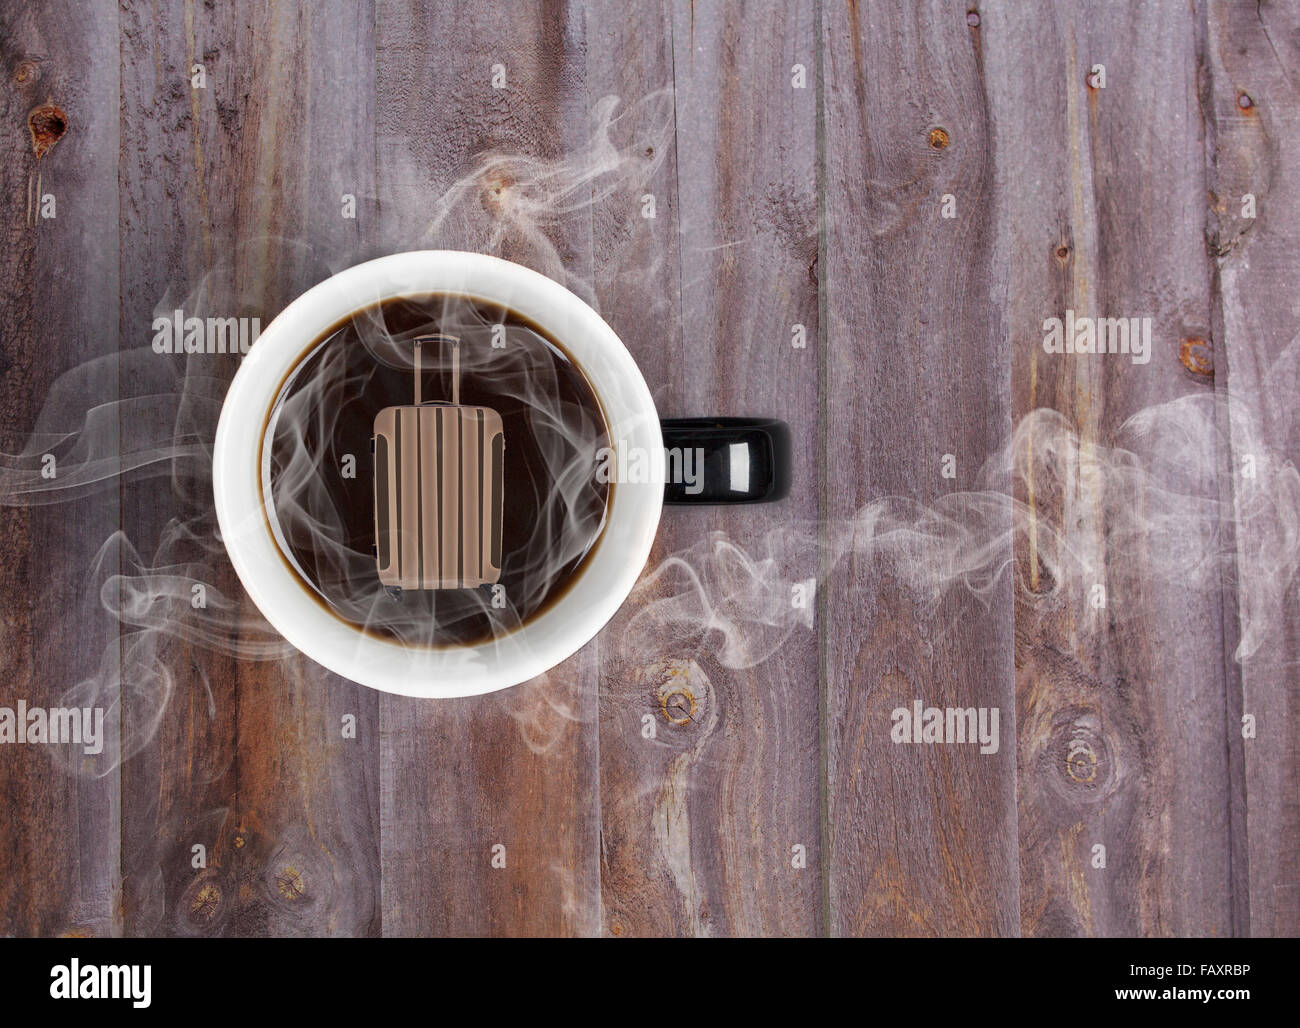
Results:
<point x="921" y="838"/>
<point x="461" y="165"/>
<point x="774" y="205"/>
<point x="248" y="758"/>
<point x="1101" y="196"/>
<point x="646" y="871"/>
<point x="698" y="823"/>
<point x="1251" y="101"/>
<point x="58" y="860"/>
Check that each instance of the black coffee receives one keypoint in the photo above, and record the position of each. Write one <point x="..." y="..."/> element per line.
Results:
<point x="322" y="468"/>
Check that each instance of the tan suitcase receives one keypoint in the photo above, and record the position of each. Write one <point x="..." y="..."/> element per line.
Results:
<point x="438" y="489"/>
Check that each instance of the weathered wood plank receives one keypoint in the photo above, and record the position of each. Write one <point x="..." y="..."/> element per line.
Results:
<point x="1251" y="101"/>
<point x="58" y="279"/>
<point x="1120" y="709"/>
<point x="1127" y="718"/>
<point x="646" y="886"/>
<point x="699" y="822"/>
<point x="921" y="838"/>
<point x="515" y="768"/>
<point x="248" y="758"/>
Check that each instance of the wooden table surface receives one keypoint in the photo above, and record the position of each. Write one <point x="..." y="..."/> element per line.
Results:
<point x="911" y="190"/>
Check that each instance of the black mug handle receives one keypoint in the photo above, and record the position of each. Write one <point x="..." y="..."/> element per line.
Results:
<point x="726" y="460"/>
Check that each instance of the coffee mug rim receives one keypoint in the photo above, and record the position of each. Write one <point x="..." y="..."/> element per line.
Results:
<point x="590" y="600"/>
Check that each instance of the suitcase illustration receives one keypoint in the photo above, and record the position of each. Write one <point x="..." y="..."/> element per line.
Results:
<point x="438" y="489"/>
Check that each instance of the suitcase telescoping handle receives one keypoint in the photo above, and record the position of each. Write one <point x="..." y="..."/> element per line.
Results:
<point x="726" y="460"/>
<point x="455" y="365"/>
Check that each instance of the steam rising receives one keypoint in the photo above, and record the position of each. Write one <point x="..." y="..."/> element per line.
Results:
<point x="1155" y="489"/>
<point x="1155" y="485"/>
<point x="142" y="420"/>
<point x="514" y="203"/>
<point x="164" y="428"/>
<point x="555" y="508"/>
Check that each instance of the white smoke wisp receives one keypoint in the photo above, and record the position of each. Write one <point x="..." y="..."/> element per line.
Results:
<point x="96" y="437"/>
<point x="326" y="522"/>
<point x="157" y="435"/>
<point x="514" y="203"/>
<point x="141" y="420"/>
<point x="1162" y="513"/>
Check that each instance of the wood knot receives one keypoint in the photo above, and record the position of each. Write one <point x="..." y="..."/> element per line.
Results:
<point x="680" y="690"/>
<point x="495" y="194"/>
<point x="938" y="138"/>
<point x="1081" y="761"/>
<point x="27" y="72"/>
<point x="290" y="883"/>
<point x="203" y="901"/>
<point x="973" y="18"/>
<point x="678" y="705"/>
<point x="1079" y="755"/>
<point x="47" y="124"/>
<point x="1197" y="356"/>
<point x="1246" y="102"/>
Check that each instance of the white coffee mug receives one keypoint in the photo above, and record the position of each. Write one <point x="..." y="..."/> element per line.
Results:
<point x="241" y="478"/>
